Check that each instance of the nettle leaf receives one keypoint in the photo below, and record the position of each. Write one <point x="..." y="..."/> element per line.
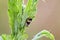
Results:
<point x="31" y="8"/>
<point x="43" y="33"/>
<point x="14" y="12"/>
<point x="6" y="37"/>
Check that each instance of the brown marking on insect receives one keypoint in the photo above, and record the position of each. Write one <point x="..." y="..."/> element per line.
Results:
<point x="28" y="21"/>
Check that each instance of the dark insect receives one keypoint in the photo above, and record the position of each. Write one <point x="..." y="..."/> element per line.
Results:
<point x="28" y="21"/>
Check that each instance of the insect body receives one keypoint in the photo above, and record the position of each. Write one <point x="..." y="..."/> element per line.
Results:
<point x="28" y="21"/>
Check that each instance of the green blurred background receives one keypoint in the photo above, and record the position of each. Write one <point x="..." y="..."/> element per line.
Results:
<point x="47" y="17"/>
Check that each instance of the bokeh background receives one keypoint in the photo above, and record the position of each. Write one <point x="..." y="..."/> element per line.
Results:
<point x="47" y="17"/>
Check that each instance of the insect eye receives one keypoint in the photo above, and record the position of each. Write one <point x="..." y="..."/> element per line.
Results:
<point x="30" y="19"/>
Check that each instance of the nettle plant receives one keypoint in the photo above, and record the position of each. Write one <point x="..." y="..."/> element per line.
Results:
<point x="20" y="16"/>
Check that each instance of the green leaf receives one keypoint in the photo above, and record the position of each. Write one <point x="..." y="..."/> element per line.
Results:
<point x="6" y="37"/>
<point x="31" y="8"/>
<point x="15" y="14"/>
<point x="44" y="33"/>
